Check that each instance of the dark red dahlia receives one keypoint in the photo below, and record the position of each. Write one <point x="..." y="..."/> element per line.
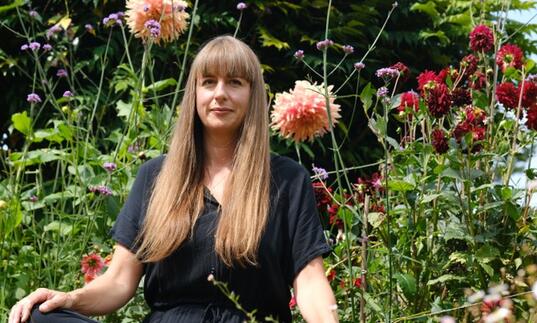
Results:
<point x="507" y="94"/>
<point x="460" y="97"/>
<point x="409" y="101"/>
<point x="404" y="72"/>
<point x="444" y="73"/>
<point x="461" y="129"/>
<point x="481" y="39"/>
<point x="509" y="55"/>
<point x="469" y="64"/>
<point x="532" y="117"/>
<point x="322" y="196"/>
<point x="439" y="141"/>
<point x="439" y="101"/>
<point x="473" y="122"/>
<point x="478" y="81"/>
<point x="427" y="80"/>
<point x="529" y="94"/>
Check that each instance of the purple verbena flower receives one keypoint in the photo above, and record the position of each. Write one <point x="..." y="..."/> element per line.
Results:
<point x="101" y="190"/>
<point x="146" y="7"/>
<point x="67" y="94"/>
<point x="34" y="46"/>
<point x="33" y="98"/>
<point x="387" y="73"/>
<point x="323" y="44"/>
<point x="33" y="198"/>
<point x="24" y="47"/>
<point x="241" y="6"/>
<point x="110" y="167"/>
<point x="320" y="173"/>
<point x="53" y="31"/>
<point x="348" y="49"/>
<point x="153" y="26"/>
<point x="61" y="73"/>
<point x="359" y="66"/>
<point x="47" y="47"/>
<point x="532" y="78"/>
<point x="382" y="92"/>
<point x="33" y="14"/>
<point x="299" y="54"/>
<point x="113" y="19"/>
<point x="89" y="28"/>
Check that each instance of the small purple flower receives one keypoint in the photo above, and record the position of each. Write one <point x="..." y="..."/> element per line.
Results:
<point x="382" y="92"/>
<point x="241" y="6"/>
<point x="101" y="190"/>
<point x="33" y="98"/>
<point x="47" y="47"/>
<point x="299" y="54"/>
<point x="146" y="7"/>
<point x="348" y="49"/>
<point x="387" y="73"/>
<point x="120" y="14"/>
<point x="110" y="167"/>
<point x="320" y="173"/>
<point x="61" y="73"/>
<point x="532" y="78"/>
<point x="33" y="198"/>
<point x="179" y="7"/>
<point x="67" y="94"/>
<point x="359" y="66"/>
<point x="323" y="44"/>
<point x="24" y="47"/>
<point x="53" y="31"/>
<point x="33" y="14"/>
<point x="89" y="28"/>
<point x="34" y="46"/>
<point x="153" y="26"/>
<point x="113" y="19"/>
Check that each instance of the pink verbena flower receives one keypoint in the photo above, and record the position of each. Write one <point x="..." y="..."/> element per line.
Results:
<point x="509" y="56"/>
<point x="301" y="113"/>
<point x="170" y="14"/>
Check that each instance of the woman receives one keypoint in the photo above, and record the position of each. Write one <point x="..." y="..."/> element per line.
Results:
<point x="217" y="206"/>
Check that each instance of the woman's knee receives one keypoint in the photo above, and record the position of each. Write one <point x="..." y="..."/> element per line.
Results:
<point x="58" y="316"/>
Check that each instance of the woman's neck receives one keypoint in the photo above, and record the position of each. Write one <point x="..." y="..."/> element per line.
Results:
<point x="219" y="150"/>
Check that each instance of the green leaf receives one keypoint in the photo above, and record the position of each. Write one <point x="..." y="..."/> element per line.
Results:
<point x="371" y="302"/>
<point x="160" y="85"/>
<point x="407" y="282"/>
<point x="15" y="4"/>
<point x="367" y="97"/>
<point x="445" y="278"/>
<point x="375" y="219"/>
<point x="486" y="254"/>
<point x="440" y="35"/>
<point x="123" y="109"/>
<point x="59" y="227"/>
<point x="400" y="185"/>
<point x="22" y="123"/>
<point x="268" y="40"/>
<point x="429" y="197"/>
<point x="450" y="172"/>
<point x="488" y="269"/>
<point x="429" y="8"/>
<point x="530" y="64"/>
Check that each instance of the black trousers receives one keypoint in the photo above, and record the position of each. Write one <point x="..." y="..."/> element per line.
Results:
<point x="58" y="316"/>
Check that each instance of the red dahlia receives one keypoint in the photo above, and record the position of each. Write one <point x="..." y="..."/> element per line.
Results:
<point x="427" y="80"/>
<point x="509" y="55"/>
<point x="469" y="64"/>
<point x="439" y="101"/>
<point x="478" y="81"/>
<point x="507" y="94"/>
<point x="481" y="39"/>
<point x="403" y="71"/>
<point x="410" y="100"/>
<point x="532" y="117"/>
<point x="460" y="97"/>
<point x="439" y="141"/>
<point x="448" y="71"/>
<point x="529" y="94"/>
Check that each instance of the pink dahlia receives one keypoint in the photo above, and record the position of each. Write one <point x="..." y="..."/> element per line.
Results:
<point x="509" y="56"/>
<point x="531" y="123"/>
<point x="439" y="101"/>
<point x="301" y="113"/>
<point x="409" y="100"/>
<point x="170" y="14"/>
<point x="92" y="264"/>
<point x="481" y="38"/>
<point x="507" y="94"/>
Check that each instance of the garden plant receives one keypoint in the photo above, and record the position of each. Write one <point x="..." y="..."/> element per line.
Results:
<point x="433" y="225"/>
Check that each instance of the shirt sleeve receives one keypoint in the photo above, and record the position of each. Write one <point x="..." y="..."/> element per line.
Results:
<point x="130" y="218"/>
<point x="305" y="231"/>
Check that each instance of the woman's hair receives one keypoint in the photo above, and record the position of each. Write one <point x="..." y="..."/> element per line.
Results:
<point x="177" y="198"/>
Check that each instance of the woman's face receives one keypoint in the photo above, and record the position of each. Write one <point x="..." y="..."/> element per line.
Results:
<point x="222" y="102"/>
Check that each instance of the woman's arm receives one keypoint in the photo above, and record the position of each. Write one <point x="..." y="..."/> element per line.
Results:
<point x="103" y="295"/>
<point x="313" y="294"/>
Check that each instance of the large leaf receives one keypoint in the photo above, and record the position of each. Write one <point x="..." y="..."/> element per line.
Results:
<point x="268" y="40"/>
<point x="407" y="282"/>
<point x="22" y="123"/>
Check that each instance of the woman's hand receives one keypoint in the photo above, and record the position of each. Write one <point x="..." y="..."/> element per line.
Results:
<point x="49" y="298"/>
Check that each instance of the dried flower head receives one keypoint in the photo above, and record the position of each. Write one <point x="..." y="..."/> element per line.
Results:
<point x="301" y="113"/>
<point x="170" y="14"/>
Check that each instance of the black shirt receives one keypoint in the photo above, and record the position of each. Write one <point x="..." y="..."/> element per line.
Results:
<point x="176" y="288"/>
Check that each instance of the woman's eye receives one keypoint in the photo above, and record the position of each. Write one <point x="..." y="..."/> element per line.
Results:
<point x="236" y="82"/>
<point x="207" y="82"/>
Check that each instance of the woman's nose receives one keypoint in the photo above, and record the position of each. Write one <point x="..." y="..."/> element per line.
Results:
<point x="220" y="89"/>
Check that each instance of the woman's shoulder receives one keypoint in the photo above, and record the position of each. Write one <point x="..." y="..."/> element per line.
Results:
<point x="286" y="168"/>
<point x="152" y="166"/>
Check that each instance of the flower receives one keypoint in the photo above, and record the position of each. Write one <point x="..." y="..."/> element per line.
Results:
<point x="478" y="81"/>
<point x="89" y="28"/>
<point x="61" y="73"/>
<point x="359" y="66"/>
<point x="170" y="14"/>
<point x="301" y="113"/>
<point x="481" y="39"/>
<point x="473" y="121"/>
<point x="34" y="46"/>
<point x="447" y="319"/>
<point x="509" y="56"/>
<point x="299" y="54"/>
<point x="320" y="173"/>
<point x="33" y="98"/>
<point x="410" y="100"/>
<point x="52" y="31"/>
<point x="382" y="92"/>
<point x="403" y="70"/>
<point x="47" y="47"/>
<point x="507" y="94"/>
<point x="348" y="49"/>
<point x="469" y="64"/>
<point x="387" y="73"/>
<point x="460" y="97"/>
<point x="292" y="302"/>
<point x="331" y="275"/>
<point x="92" y="264"/>
<point x="427" y="80"/>
<point x="101" y="190"/>
<point x="322" y="195"/>
<point x="33" y="14"/>
<point x="532" y="78"/>
<point x="67" y="94"/>
<point x="241" y="6"/>
<point x="154" y="27"/>
<point x="529" y="94"/>
<point x="439" y="141"/>
<point x="210" y="278"/>
<point x="531" y="116"/>
<point x="24" y="47"/>
<point x="323" y="44"/>
<point x="358" y="282"/>
<point x="439" y="101"/>
<point x="110" y="167"/>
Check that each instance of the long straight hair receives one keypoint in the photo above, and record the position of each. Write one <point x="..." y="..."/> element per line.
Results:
<point x="177" y="197"/>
